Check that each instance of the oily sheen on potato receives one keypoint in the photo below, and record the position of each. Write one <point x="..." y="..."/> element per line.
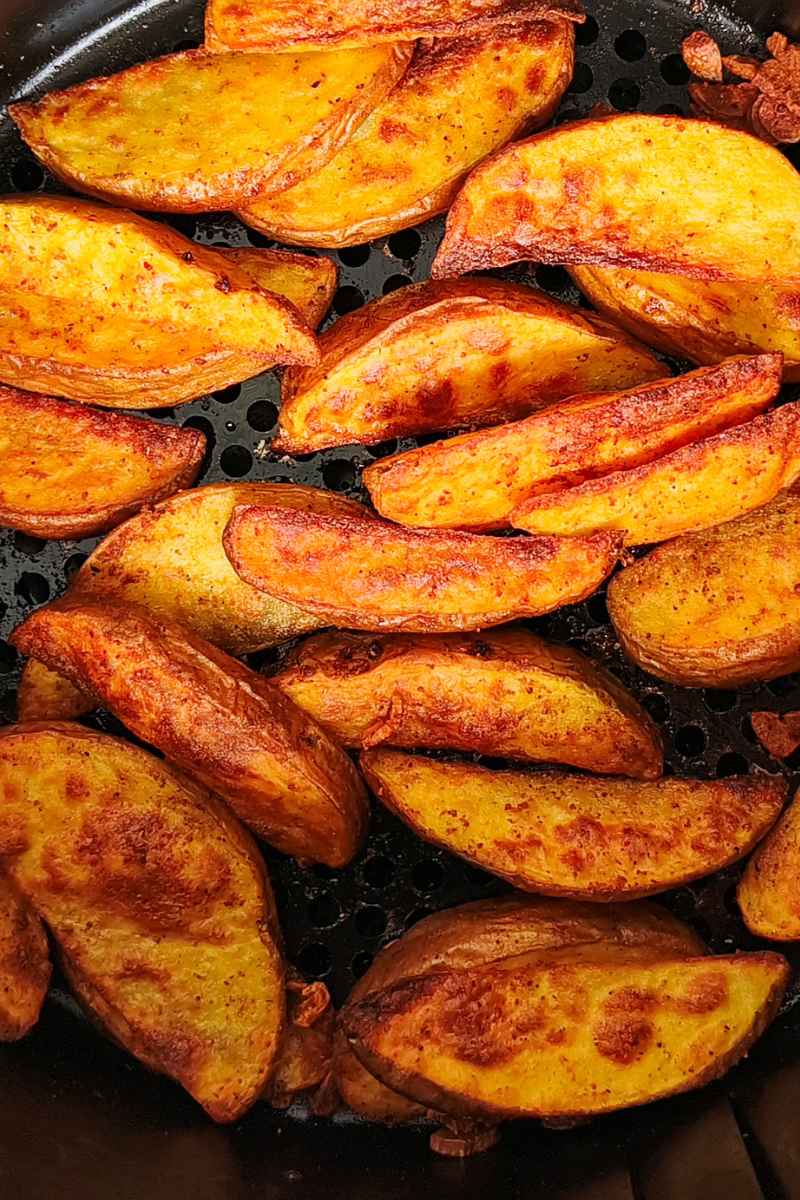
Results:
<point x="767" y="892"/>
<point x="174" y="950"/>
<point x="24" y="963"/>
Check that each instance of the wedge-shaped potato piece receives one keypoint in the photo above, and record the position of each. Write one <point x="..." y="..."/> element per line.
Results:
<point x="24" y="963"/>
<point x="768" y="893"/>
<point x="460" y="99"/>
<point x="484" y="931"/>
<point x="434" y="356"/>
<point x="307" y="281"/>
<point x="695" y="319"/>
<point x="693" y="488"/>
<point x="158" y="901"/>
<point x="566" y="1033"/>
<point x="214" y="718"/>
<point x="69" y="471"/>
<point x="44" y="695"/>
<point x="778" y="733"/>
<point x="364" y="573"/>
<point x="612" y="191"/>
<point x="197" y="131"/>
<point x="475" y="481"/>
<point x="506" y="693"/>
<point x="572" y="835"/>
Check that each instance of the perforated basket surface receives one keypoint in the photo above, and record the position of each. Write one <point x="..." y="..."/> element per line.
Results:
<point x="335" y="921"/>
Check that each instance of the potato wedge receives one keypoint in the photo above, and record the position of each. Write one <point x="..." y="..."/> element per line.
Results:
<point x="217" y="720"/>
<point x="308" y="282"/>
<point x="719" y="608"/>
<point x="460" y="99"/>
<point x="566" y="1033"/>
<point x="506" y="693"/>
<point x="612" y="191"/>
<point x="434" y="356"/>
<point x="363" y="573"/>
<point x="158" y="901"/>
<point x="572" y="835"/>
<point x="778" y="733"/>
<point x="194" y="131"/>
<point x="69" y="471"/>
<point x="768" y="893"/>
<point x="44" y="695"/>
<point x="695" y="319"/>
<point x="698" y="486"/>
<point x="484" y="931"/>
<point x="477" y="480"/>
<point x="24" y="964"/>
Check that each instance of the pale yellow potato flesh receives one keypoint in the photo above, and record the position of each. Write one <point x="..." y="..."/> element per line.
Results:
<point x="768" y="892"/>
<point x="306" y="281"/>
<point x="24" y="963"/>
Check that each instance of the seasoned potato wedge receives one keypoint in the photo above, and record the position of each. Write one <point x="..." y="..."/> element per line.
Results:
<point x="69" y="471"/>
<point x="220" y="722"/>
<point x="24" y="962"/>
<point x="698" y="486"/>
<point x="566" y="1033"/>
<point x="433" y="356"/>
<point x="196" y="131"/>
<point x="768" y="892"/>
<point x="572" y="835"/>
<point x="361" y="572"/>
<point x="611" y="191"/>
<point x="308" y="282"/>
<point x="174" y="950"/>
<point x="44" y="695"/>
<point x="778" y="733"/>
<point x="719" y="608"/>
<point x="475" y="481"/>
<point x="506" y="693"/>
<point x="461" y="99"/>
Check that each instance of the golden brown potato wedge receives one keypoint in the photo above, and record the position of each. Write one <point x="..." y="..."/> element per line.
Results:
<point x="612" y="191"/>
<point x="718" y="479"/>
<point x="460" y="99"/>
<point x="574" y="835"/>
<point x="308" y="282"/>
<point x="505" y="692"/>
<point x="566" y="1033"/>
<point x="24" y="962"/>
<point x="768" y="891"/>
<point x="44" y="695"/>
<point x="475" y="481"/>
<point x="437" y="355"/>
<point x="158" y="901"/>
<point x="719" y="608"/>
<point x="196" y="131"/>
<point x="778" y="733"/>
<point x="67" y="471"/>
<point x="217" y="720"/>
<point x="363" y="573"/>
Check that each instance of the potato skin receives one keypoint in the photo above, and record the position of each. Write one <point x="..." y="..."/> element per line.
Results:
<point x="505" y="693"/>
<point x="217" y="720"/>
<point x="577" y="836"/>
<point x="611" y="191"/>
<point x="435" y="356"/>
<point x="718" y="608"/>
<point x="767" y="892"/>
<point x="24" y="964"/>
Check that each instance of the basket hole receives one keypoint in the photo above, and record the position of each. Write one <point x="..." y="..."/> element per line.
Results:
<point x="383" y="449"/>
<point x="32" y="588"/>
<point x="8" y="658"/>
<point x="324" y="911"/>
<point x="783" y="686"/>
<point x="477" y="877"/>
<point x="731" y="764"/>
<point x="582" y="79"/>
<point x="377" y="872"/>
<point x="26" y="175"/>
<point x="314" y="960"/>
<point x="236" y="461"/>
<point x="262" y="416"/>
<point x="630" y="46"/>
<point x="354" y="256"/>
<point x="229" y="394"/>
<point x="690" y="741"/>
<point x="674" y="70"/>
<point x="597" y="608"/>
<point x="624" y="94"/>
<point x="73" y="564"/>
<point x="339" y="475"/>
<point x="658" y="707"/>
<point x="184" y="224"/>
<point x="347" y="299"/>
<point x="406" y="244"/>
<point x="360" y="964"/>
<point x="553" y="279"/>
<point x="720" y="701"/>
<point x="395" y="282"/>
<point x="260" y="240"/>
<point x="370" y="921"/>
<point x="566" y="115"/>
<point x="427" y="876"/>
<point x="587" y="33"/>
<point x="28" y="545"/>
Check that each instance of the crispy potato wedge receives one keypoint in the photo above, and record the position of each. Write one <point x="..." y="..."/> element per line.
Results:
<point x="695" y="319"/>
<point x="307" y="281"/>
<point x="778" y="733"/>
<point x="506" y="693"/>
<point x="69" y="471"/>
<point x="437" y="355"/>
<point x="460" y="99"/>
<point x="44" y="695"/>
<point x="217" y="720"/>
<point x="698" y="486"/>
<point x="477" y="480"/>
<point x="484" y="931"/>
<point x="767" y="893"/>
<point x="24" y="963"/>
<point x="196" y="131"/>
<point x="719" y="608"/>
<point x="174" y="950"/>
<point x="572" y="835"/>
<point x="566" y="1033"/>
<point x="364" y="573"/>
<point x="611" y="191"/>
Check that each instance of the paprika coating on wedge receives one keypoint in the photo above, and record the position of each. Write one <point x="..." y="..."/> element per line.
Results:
<point x="214" y="718"/>
<point x="174" y="951"/>
<point x="768" y="892"/>
<point x="506" y="692"/>
<point x="24" y="962"/>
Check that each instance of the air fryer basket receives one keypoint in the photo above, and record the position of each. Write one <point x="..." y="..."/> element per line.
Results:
<point x="78" y="1118"/>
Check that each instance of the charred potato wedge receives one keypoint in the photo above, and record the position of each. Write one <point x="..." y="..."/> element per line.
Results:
<point x="69" y="471"/>
<point x="194" y="131"/>
<point x="459" y="100"/>
<point x="572" y="835"/>
<point x="434" y="356"/>
<point x="719" y="608"/>
<point x="477" y="480"/>
<point x="768" y="893"/>
<point x="505" y="692"/>
<point x="363" y="573"/>
<point x="214" y="718"/>
<point x="24" y="963"/>
<point x="693" y="488"/>
<point x="611" y="191"/>
<point x="175" y="951"/>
